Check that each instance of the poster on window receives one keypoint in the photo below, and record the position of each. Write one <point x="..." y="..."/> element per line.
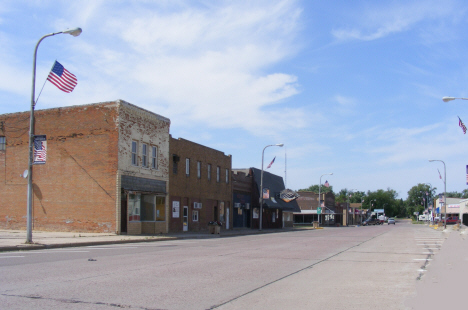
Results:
<point x="175" y="209"/>
<point x="255" y="213"/>
<point x="266" y="193"/>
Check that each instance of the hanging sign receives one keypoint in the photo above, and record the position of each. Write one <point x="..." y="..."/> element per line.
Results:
<point x="40" y="150"/>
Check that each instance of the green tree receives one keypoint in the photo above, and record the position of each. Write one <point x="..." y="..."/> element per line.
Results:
<point x="315" y="189"/>
<point x="419" y="198"/>
<point x="381" y="199"/>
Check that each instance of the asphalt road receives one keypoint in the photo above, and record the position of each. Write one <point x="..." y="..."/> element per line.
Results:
<point x="334" y="268"/>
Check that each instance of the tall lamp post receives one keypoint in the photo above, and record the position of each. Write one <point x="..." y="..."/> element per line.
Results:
<point x="261" y="183"/>
<point x="445" y="187"/>
<point x="74" y="32"/>
<point x="320" y="198"/>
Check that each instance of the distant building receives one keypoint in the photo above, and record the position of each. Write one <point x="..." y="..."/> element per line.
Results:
<point x="308" y="203"/>
<point x="277" y="209"/>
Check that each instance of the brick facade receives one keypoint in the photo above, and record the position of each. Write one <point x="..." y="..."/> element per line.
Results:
<point x="88" y="150"/>
<point x="192" y="189"/>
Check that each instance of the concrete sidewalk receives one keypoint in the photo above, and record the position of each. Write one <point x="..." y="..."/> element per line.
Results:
<point x="15" y="240"/>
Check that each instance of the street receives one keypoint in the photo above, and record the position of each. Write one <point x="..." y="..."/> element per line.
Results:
<point x="331" y="268"/>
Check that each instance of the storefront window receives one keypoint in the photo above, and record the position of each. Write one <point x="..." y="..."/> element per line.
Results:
<point x="134" y="204"/>
<point x="147" y="207"/>
<point x="160" y="208"/>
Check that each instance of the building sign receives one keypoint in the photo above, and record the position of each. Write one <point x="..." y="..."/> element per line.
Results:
<point x="40" y="150"/>
<point x="175" y="209"/>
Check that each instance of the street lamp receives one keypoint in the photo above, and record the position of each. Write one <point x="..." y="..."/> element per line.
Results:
<point x="445" y="192"/>
<point x="74" y="32"/>
<point x="447" y="99"/>
<point x="320" y="184"/>
<point x="261" y="183"/>
<point x="347" y="209"/>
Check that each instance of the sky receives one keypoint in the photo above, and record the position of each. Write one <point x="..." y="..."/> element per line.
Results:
<point x="352" y="88"/>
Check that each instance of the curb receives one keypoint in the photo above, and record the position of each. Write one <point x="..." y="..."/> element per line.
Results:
<point x="40" y="246"/>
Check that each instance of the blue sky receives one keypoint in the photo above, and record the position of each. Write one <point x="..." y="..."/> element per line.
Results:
<point x="350" y="87"/>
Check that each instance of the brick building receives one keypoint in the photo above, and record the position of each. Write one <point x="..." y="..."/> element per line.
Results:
<point x="308" y="203"/>
<point x="277" y="210"/>
<point x="104" y="161"/>
<point x="200" y="187"/>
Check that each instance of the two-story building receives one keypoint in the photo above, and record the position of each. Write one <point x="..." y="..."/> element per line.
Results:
<point x="200" y="187"/>
<point x="106" y="169"/>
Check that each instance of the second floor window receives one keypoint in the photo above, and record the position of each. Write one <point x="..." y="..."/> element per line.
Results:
<point x="134" y="153"/>
<point x="227" y="176"/>
<point x="217" y="174"/>
<point x="209" y="172"/>
<point x="144" y="155"/>
<point x="187" y="166"/>
<point x="154" y="157"/>
<point x="199" y="169"/>
<point x="2" y="143"/>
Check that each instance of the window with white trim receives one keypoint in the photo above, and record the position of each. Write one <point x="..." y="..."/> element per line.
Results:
<point x="227" y="176"/>
<point x="154" y="157"/>
<point x="144" y="155"/>
<point x="134" y="153"/>
<point x="199" y="169"/>
<point x="195" y="216"/>
<point x="209" y="172"/>
<point x="218" y="171"/>
<point x="187" y="166"/>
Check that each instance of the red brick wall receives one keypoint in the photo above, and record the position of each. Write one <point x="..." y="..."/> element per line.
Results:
<point x="189" y="189"/>
<point x="76" y="189"/>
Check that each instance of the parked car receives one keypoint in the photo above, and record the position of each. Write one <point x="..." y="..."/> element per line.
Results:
<point x="452" y="220"/>
<point x="371" y="221"/>
<point x="391" y="221"/>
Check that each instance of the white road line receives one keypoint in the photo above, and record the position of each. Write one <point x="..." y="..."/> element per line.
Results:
<point x="111" y="248"/>
<point x="422" y="258"/>
<point x="428" y="244"/>
<point x="421" y="270"/>
<point x="10" y="256"/>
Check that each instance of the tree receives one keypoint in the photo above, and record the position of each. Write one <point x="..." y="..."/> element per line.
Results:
<point x="315" y="189"/>
<point x="420" y="197"/>
<point x="381" y="199"/>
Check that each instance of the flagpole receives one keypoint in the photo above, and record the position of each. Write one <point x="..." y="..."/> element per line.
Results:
<point x="35" y="103"/>
<point x="261" y="183"/>
<point x="75" y="32"/>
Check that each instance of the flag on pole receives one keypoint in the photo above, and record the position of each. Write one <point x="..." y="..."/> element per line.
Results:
<point x="460" y="123"/>
<point x="326" y="184"/>
<point x="62" y="78"/>
<point x="439" y="174"/>
<point x="271" y="162"/>
<point x="466" y="174"/>
<point x="40" y="150"/>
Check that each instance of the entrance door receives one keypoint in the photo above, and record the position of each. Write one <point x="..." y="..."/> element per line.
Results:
<point x="123" y="213"/>
<point x="185" y="218"/>
<point x="227" y="218"/>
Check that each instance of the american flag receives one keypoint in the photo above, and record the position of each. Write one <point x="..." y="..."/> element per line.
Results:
<point x="40" y="151"/>
<point x="326" y="184"/>
<point x="466" y="174"/>
<point x="460" y="123"/>
<point x="62" y="78"/>
<point x="271" y="162"/>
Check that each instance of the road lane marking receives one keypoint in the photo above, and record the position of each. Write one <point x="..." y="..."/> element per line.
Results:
<point x="10" y="256"/>
<point x="422" y="258"/>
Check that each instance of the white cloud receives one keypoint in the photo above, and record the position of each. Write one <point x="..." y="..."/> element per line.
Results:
<point x="381" y="21"/>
